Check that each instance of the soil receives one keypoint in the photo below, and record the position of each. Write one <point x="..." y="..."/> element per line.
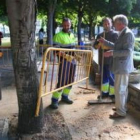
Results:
<point x="78" y="121"/>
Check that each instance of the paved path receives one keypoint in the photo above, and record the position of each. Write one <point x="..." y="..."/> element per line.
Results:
<point x="4" y="126"/>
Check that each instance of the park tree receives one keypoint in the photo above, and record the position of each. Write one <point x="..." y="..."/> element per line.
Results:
<point x="50" y="15"/>
<point x="120" y="6"/>
<point x="135" y="15"/>
<point x="48" y="8"/>
<point x="2" y="8"/>
<point x="22" y="19"/>
<point x="78" y="7"/>
<point x="3" y="16"/>
<point x="93" y="11"/>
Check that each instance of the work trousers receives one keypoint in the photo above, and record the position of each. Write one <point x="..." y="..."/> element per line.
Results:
<point x="108" y="81"/>
<point x="121" y="93"/>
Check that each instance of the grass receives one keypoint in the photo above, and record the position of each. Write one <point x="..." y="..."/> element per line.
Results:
<point x="137" y="38"/>
<point x="6" y="41"/>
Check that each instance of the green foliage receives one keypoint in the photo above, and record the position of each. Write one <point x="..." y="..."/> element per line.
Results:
<point x="138" y="67"/>
<point x="137" y="46"/>
<point x="4" y="20"/>
<point x="120" y="6"/>
<point x="135" y="15"/>
<point x="2" y="8"/>
<point x="136" y="56"/>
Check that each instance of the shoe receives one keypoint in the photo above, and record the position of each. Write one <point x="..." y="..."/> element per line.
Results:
<point x="115" y="116"/>
<point x="112" y="97"/>
<point x="54" y="105"/>
<point x="103" y="96"/>
<point x="66" y="100"/>
<point x="114" y="109"/>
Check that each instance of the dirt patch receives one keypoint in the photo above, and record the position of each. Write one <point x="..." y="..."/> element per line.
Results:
<point x="78" y="121"/>
<point x="55" y="128"/>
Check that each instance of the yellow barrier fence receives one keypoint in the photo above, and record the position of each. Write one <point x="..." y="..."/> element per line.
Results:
<point x="5" y="57"/>
<point x="66" y="68"/>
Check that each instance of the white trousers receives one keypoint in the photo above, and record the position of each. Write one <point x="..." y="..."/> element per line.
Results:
<point x="121" y="93"/>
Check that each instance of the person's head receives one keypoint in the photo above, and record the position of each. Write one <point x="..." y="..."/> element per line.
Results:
<point x="120" y="22"/>
<point x="66" y="24"/>
<point x="107" y="24"/>
<point x="41" y="30"/>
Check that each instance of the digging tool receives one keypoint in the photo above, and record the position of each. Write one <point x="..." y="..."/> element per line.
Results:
<point x="100" y="100"/>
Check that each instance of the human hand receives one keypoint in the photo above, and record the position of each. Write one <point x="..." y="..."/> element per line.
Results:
<point x="101" y="40"/>
<point x="108" y="53"/>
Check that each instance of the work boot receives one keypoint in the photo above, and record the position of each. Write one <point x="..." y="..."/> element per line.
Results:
<point x="66" y="100"/>
<point x="103" y="96"/>
<point x="54" y="104"/>
<point x="112" y="97"/>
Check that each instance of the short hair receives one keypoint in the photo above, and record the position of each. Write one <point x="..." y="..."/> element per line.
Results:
<point x="66" y="20"/>
<point x="121" y="18"/>
<point x="107" y="19"/>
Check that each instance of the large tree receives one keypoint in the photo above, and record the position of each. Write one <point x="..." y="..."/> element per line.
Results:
<point x="48" y="8"/>
<point x="120" y="7"/>
<point x="22" y="19"/>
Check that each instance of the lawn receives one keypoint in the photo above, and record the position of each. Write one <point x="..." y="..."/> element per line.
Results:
<point x="6" y="41"/>
<point x="137" y="38"/>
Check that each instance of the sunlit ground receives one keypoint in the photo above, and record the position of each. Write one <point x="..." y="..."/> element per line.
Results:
<point x="6" y="41"/>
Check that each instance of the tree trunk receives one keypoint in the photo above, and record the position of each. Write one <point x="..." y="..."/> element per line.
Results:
<point x="50" y="27"/>
<point x="51" y="8"/>
<point x="79" y="26"/>
<point x="90" y="30"/>
<point x="22" y="18"/>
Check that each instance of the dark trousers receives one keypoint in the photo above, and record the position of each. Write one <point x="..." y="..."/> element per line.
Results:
<point x="66" y="72"/>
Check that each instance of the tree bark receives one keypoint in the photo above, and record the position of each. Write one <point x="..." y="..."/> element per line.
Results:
<point x="50" y="27"/>
<point x="90" y="29"/>
<point x="50" y="15"/>
<point x="80" y="15"/>
<point x="22" y="18"/>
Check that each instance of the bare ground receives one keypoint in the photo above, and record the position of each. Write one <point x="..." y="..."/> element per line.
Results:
<point x="78" y="121"/>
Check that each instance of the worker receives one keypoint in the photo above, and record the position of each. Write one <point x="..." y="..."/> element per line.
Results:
<point x="64" y="39"/>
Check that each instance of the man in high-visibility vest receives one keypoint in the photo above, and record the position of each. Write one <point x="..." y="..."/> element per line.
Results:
<point x="108" y="77"/>
<point x="64" y="39"/>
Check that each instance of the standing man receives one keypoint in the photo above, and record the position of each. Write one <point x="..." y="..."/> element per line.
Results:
<point x="41" y="37"/>
<point x="122" y="62"/>
<point x="107" y="88"/>
<point x="1" y="36"/>
<point x="64" y="39"/>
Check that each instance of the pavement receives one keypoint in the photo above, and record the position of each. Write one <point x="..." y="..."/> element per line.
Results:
<point x="6" y="79"/>
<point x="4" y="127"/>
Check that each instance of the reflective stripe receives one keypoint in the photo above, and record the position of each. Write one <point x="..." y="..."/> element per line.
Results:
<point x="66" y="91"/>
<point x="105" y="87"/>
<point x="111" y="90"/>
<point x="57" y="95"/>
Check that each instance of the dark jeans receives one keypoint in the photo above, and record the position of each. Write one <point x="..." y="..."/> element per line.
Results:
<point x="66" y="72"/>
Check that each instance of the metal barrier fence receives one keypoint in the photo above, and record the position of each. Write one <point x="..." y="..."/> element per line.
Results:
<point x="66" y="68"/>
<point x="5" y="57"/>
